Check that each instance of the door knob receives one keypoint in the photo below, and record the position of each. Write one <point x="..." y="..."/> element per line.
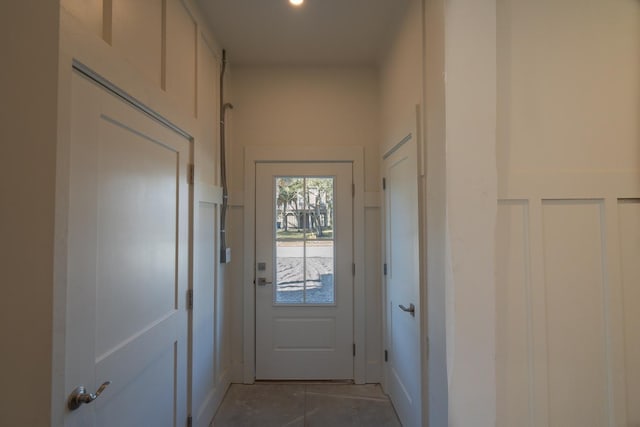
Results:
<point x="262" y="281"/>
<point x="80" y="396"/>
<point x="411" y="309"/>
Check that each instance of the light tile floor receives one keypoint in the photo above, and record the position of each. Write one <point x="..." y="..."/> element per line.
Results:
<point x="305" y="405"/>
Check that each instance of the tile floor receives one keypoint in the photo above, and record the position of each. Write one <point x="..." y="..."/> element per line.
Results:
<point x="305" y="405"/>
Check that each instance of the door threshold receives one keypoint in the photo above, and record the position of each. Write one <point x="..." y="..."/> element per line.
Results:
<point x="304" y="382"/>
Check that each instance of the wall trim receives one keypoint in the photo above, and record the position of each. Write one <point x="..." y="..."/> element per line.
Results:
<point x="126" y="97"/>
<point x="372" y="199"/>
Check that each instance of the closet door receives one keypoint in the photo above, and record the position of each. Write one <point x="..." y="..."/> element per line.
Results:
<point x="128" y="264"/>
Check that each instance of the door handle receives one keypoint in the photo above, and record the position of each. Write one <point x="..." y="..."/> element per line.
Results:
<point x="262" y="281"/>
<point x="411" y="309"/>
<point x="80" y="396"/>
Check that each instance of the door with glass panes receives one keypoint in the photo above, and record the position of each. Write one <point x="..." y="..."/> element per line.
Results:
<point x="304" y="279"/>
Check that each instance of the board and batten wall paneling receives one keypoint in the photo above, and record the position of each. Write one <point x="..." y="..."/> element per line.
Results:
<point x="235" y="276"/>
<point x="210" y="328"/>
<point x="158" y="37"/>
<point x="570" y="69"/>
<point x="574" y="256"/>
<point x="629" y="230"/>
<point x="513" y="337"/>
<point x="89" y="12"/>
<point x="373" y="294"/>
<point x="162" y="53"/>
<point x="222" y="354"/>
<point x="205" y="272"/>
<point x="208" y="112"/>
<point x="180" y="60"/>
<point x="137" y="32"/>
<point x="568" y="145"/>
<point x="567" y="317"/>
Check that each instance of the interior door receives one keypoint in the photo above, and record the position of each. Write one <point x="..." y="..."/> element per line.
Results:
<point x="403" y="371"/>
<point x="128" y="264"/>
<point x="304" y="278"/>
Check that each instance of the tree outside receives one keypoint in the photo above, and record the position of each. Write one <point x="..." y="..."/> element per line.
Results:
<point x="304" y="235"/>
<point x="304" y="208"/>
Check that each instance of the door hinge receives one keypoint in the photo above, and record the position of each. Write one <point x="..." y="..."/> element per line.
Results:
<point x="191" y="173"/>
<point x="189" y="421"/>
<point x="386" y="356"/>
<point x="353" y="268"/>
<point x="384" y="183"/>
<point x="354" y="349"/>
<point x="384" y="270"/>
<point x="353" y="190"/>
<point x="190" y="299"/>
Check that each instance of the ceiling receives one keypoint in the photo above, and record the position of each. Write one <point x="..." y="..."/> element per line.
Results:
<point x="326" y="32"/>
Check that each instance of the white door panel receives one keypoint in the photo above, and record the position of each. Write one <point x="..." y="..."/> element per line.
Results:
<point x="128" y="263"/>
<point x="304" y="317"/>
<point x="403" y="283"/>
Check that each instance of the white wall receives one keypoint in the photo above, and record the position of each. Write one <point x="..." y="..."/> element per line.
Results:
<point x="471" y="188"/>
<point x="28" y="122"/>
<point x="401" y="78"/>
<point x="568" y="155"/>
<point x="436" y="254"/>
<point x="308" y="106"/>
<point x="305" y="106"/>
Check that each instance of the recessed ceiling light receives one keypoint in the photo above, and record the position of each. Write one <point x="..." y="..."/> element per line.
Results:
<point x="296" y="2"/>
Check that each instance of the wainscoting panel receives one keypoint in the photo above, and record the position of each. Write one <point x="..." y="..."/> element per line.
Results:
<point x="575" y="287"/>
<point x="210" y="368"/>
<point x="568" y="349"/>
<point x="180" y="62"/>
<point x="629" y="231"/>
<point x="137" y="32"/>
<point x="208" y="110"/>
<point x="514" y="340"/>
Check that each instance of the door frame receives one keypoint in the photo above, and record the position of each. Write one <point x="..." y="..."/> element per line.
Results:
<point x="256" y="154"/>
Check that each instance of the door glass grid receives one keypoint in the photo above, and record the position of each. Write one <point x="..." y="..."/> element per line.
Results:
<point x="304" y="240"/>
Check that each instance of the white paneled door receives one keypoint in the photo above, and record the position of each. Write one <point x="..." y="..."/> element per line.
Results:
<point x="403" y="372"/>
<point x="304" y="278"/>
<point x="127" y="264"/>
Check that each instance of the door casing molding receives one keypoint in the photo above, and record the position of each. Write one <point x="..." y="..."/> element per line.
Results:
<point x="256" y="154"/>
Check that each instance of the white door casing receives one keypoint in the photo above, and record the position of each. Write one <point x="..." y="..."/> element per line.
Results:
<point x="128" y="263"/>
<point x="402" y="287"/>
<point x="301" y="334"/>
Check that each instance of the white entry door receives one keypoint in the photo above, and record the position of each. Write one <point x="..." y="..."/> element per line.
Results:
<point x="304" y="279"/>
<point x="403" y="372"/>
<point x="127" y="264"/>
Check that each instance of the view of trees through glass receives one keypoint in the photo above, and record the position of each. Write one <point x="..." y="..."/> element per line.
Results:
<point x="304" y="205"/>
<point x="304" y="231"/>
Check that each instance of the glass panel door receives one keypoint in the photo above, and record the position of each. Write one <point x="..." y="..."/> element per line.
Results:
<point x="303" y="270"/>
